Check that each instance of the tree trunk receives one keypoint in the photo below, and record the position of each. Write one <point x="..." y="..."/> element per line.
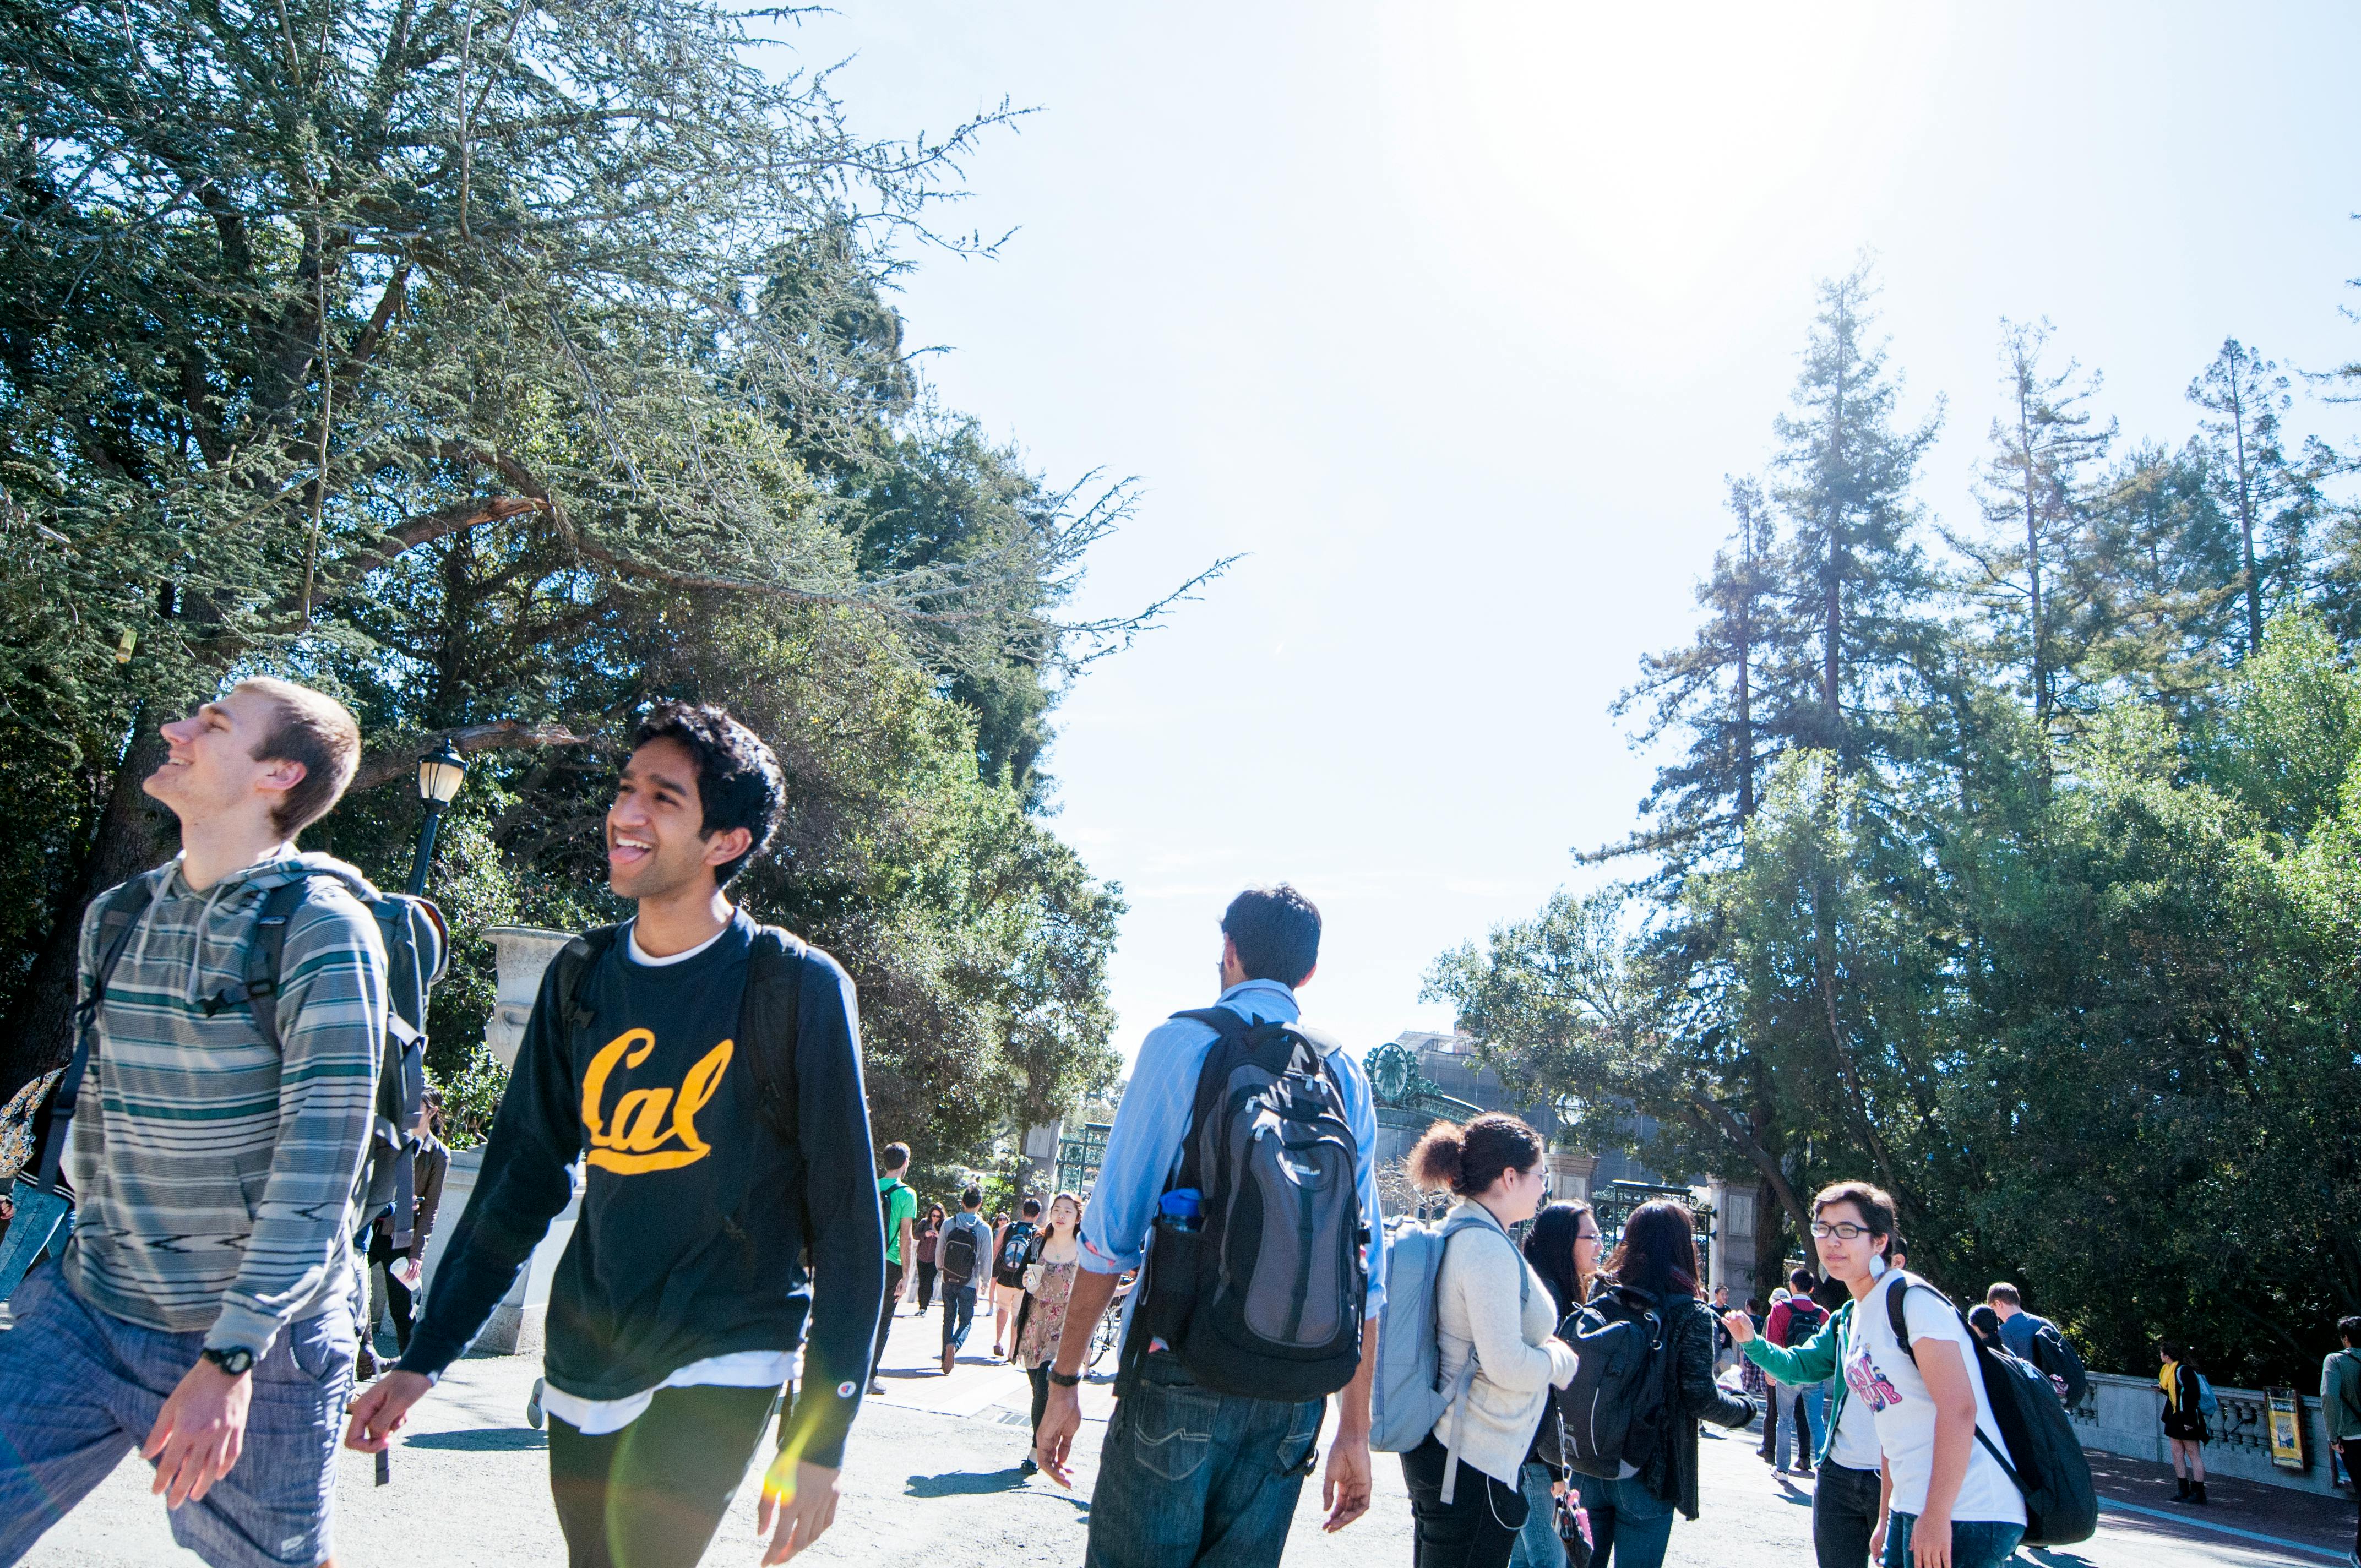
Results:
<point x="134" y="834"/>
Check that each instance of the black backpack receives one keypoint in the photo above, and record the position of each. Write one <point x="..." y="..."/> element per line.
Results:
<point x="1016" y="1252"/>
<point x="417" y="948"/>
<point x="2055" y="1355"/>
<point x="2044" y="1459"/>
<point x="1618" y="1407"/>
<point x="1804" y="1321"/>
<point x="1263" y="1294"/>
<point x="958" y="1246"/>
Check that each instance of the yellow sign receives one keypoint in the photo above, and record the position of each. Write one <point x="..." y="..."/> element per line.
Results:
<point x="2284" y="1411"/>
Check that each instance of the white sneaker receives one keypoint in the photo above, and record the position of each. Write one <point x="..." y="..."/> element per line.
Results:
<point x="532" y="1405"/>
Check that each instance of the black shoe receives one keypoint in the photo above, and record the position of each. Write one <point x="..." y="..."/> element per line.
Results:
<point x="1027" y="1468"/>
<point x="2199" y="1496"/>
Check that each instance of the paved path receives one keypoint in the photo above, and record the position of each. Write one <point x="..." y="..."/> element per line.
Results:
<point x="931" y="1481"/>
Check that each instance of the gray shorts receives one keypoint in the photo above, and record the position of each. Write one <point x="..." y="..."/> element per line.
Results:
<point x="79" y="1389"/>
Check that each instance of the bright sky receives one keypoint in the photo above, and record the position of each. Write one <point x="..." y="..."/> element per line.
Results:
<point x="1453" y="319"/>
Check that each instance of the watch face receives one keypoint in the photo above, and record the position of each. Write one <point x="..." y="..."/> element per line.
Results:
<point x="236" y="1363"/>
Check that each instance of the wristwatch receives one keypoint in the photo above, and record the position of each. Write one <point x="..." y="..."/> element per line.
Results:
<point x="1065" y="1379"/>
<point x="236" y="1360"/>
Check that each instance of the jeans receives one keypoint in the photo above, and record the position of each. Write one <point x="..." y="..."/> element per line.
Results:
<point x="1797" y="1429"/>
<point x="1039" y="1377"/>
<point x="958" y="1315"/>
<point x="1188" y="1476"/>
<point x="1537" y="1544"/>
<point x="651" y="1494"/>
<point x="1975" y="1543"/>
<point x="926" y="1284"/>
<point x="1844" y="1515"/>
<point x="885" y="1317"/>
<point x="1629" y="1524"/>
<point x="1478" y="1529"/>
<point x="42" y="1218"/>
<point x="79" y="1389"/>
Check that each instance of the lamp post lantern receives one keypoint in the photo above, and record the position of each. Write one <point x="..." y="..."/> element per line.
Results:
<point x="439" y="775"/>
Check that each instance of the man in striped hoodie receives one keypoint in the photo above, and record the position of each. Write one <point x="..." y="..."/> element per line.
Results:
<point x="205" y="1310"/>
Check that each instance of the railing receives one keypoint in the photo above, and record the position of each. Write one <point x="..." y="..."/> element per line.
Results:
<point x="2123" y="1414"/>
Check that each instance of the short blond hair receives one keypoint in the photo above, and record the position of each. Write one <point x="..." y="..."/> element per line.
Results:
<point x="317" y="731"/>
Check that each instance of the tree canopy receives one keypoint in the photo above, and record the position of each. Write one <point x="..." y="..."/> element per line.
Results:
<point x="2013" y="869"/>
<point x="501" y="369"/>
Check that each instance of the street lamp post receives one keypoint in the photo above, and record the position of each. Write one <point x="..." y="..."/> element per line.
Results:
<point x="440" y="775"/>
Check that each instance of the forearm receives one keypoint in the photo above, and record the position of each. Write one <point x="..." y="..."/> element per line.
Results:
<point x="519" y="1193"/>
<point x="1088" y="1303"/>
<point x="1801" y="1364"/>
<point x="1352" y="1400"/>
<point x="1955" y="1439"/>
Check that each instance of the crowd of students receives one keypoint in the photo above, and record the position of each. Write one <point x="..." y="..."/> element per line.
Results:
<point x="741" y="1246"/>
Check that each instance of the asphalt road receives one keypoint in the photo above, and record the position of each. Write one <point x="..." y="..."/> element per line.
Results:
<point x="931" y="1481"/>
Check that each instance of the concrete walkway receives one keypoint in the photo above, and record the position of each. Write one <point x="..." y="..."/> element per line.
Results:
<point x="931" y="1481"/>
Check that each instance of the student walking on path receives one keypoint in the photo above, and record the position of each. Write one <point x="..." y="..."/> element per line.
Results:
<point x="2340" y="1409"/>
<point x="1849" y="1489"/>
<point x="1946" y="1500"/>
<point x="707" y="1070"/>
<point x="1011" y="1246"/>
<point x="966" y="1253"/>
<point x="1048" y="1286"/>
<point x="899" y="1207"/>
<point x="1654" y="1270"/>
<point x="2186" y="1396"/>
<point x="1563" y="1248"/>
<point x="1494" y="1308"/>
<point x="1187" y="1474"/>
<point x="1793" y="1321"/>
<point x="205" y="1309"/>
<point x="931" y="1230"/>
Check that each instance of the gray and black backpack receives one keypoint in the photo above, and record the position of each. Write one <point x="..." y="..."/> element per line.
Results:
<point x="1262" y="1293"/>
<point x="417" y="948"/>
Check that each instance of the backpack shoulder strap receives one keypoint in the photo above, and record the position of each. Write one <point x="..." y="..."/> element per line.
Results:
<point x="572" y="968"/>
<point x="767" y="1015"/>
<point x="119" y="911"/>
<point x="266" y="956"/>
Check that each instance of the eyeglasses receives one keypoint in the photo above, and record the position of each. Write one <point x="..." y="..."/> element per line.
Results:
<point x="1844" y="1230"/>
<point x="1589" y="1237"/>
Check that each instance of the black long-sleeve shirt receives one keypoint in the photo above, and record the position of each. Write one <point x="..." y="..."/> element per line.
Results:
<point x="696" y="1211"/>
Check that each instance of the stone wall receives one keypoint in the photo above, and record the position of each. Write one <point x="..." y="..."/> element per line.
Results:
<point x="2125" y="1415"/>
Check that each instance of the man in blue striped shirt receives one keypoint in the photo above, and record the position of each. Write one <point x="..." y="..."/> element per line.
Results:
<point x="1188" y="1476"/>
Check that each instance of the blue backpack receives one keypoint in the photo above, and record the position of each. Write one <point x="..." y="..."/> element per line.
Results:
<point x="1407" y="1399"/>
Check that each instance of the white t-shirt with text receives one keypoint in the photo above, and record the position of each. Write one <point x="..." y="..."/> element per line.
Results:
<point x="1879" y="1375"/>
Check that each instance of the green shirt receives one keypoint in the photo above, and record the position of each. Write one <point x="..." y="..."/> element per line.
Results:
<point x="1814" y="1361"/>
<point x="903" y="1205"/>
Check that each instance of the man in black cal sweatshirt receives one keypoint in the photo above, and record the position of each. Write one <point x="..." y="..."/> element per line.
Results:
<point x="724" y="1129"/>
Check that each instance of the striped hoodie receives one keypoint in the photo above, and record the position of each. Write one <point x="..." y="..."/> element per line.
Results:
<point x="213" y="1175"/>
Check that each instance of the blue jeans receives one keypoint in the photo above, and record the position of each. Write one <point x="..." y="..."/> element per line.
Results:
<point x="43" y="1219"/>
<point x="1796" y="1428"/>
<point x="1975" y="1543"/>
<point x="1629" y="1524"/>
<point x="1537" y="1544"/>
<point x="1188" y="1476"/>
<point x="958" y="1315"/>
<point x="79" y="1389"/>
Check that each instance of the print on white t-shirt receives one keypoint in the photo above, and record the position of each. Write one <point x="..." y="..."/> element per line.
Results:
<point x="1881" y="1376"/>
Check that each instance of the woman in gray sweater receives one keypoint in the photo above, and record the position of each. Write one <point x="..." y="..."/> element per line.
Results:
<point x="1494" y="1310"/>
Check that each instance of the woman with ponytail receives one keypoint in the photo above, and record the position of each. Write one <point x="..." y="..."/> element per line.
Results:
<point x="1495" y="1310"/>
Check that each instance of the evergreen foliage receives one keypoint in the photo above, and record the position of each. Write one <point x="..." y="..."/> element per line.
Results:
<point x="502" y="368"/>
<point x="2038" y="906"/>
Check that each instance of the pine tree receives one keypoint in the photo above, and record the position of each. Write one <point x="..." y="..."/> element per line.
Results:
<point x="2032" y="492"/>
<point x="1726" y="691"/>
<point x="2245" y="394"/>
<point x="1852" y="566"/>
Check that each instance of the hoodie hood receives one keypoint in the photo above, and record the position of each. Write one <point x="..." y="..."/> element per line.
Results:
<point x="240" y="893"/>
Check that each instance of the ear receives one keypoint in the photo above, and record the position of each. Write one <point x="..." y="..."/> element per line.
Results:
<point x="724" y="848"/>
<point x="280" y="776"/>
<point x="1307" y="978"/>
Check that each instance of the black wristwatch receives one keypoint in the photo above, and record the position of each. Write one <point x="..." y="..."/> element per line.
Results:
<point x="1065" y="1379"/>
<point x="236" y="1360"/>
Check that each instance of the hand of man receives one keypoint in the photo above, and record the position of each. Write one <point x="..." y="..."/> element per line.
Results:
<point x="1877" y="1541"/>
<point x="803" y="1497"/>
<point x="1740" y="1326"/>
<point x="1344" y="1490"/>
<point x="381" y="1409"/>
<point x="200" y="1433"/>
<point x="1054" y="1444"/>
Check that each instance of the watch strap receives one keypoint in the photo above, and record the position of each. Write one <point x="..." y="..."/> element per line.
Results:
<point x="1065" y="1379"/>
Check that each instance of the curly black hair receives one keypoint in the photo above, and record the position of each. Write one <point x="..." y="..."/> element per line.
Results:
<point x="737" y="780"/>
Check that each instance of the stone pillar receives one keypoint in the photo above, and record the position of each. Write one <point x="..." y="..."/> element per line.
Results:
<point x="1570" y="1173"/>
<point x="517" y="1324"/>
<point x="1041" y="1157"/>
<point x="1733" y="1261"/>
